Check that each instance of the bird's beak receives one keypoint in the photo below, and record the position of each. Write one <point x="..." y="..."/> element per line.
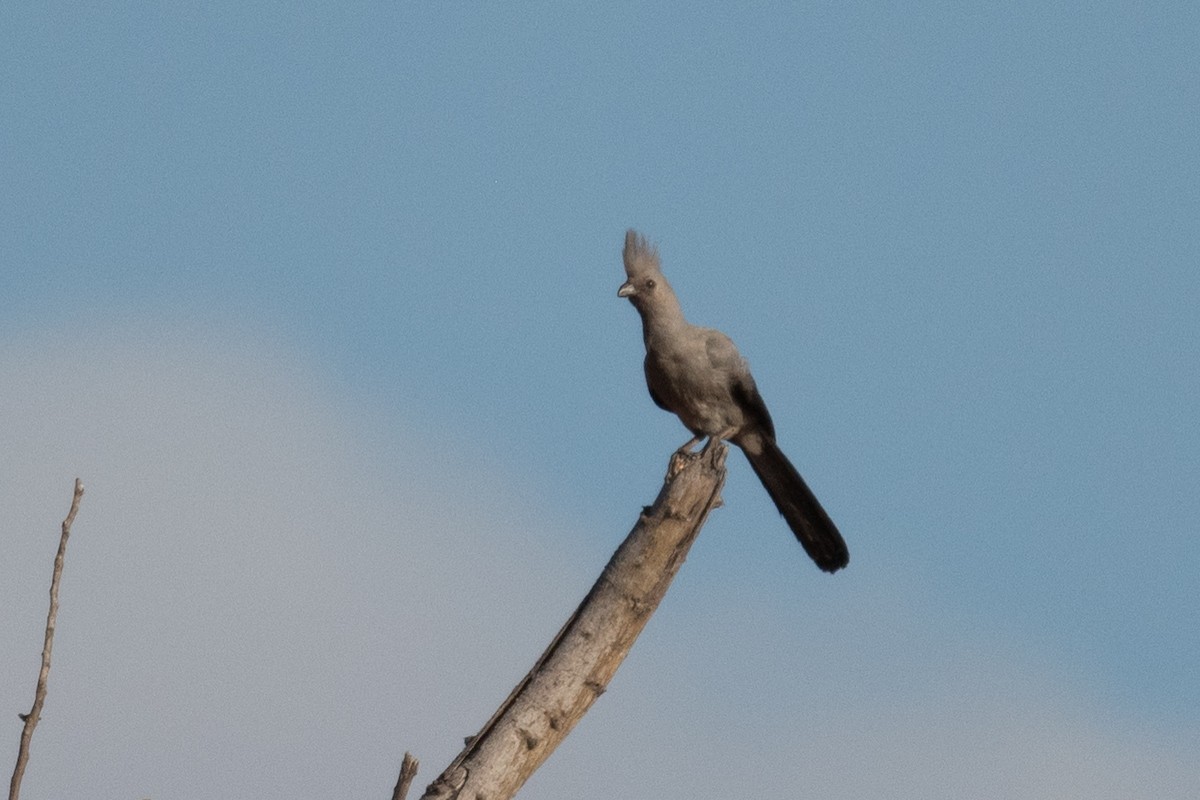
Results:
<point x="626" y="290"/>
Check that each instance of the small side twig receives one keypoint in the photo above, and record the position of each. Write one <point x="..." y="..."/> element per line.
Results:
<point x="408" y="771"/>
<point x="39" y="696"/>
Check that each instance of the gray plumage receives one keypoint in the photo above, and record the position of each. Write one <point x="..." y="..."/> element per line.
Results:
<point x="699" y="375"/>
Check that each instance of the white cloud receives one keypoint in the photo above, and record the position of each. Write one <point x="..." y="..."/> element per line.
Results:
<point x="274" y="590"/>
<point x="269" y="591"/>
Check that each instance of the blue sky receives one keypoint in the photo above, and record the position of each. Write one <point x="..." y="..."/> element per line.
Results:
<point x="321" y="305"/>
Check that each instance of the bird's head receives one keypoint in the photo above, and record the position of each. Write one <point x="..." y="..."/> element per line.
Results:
<point x="644" y="279"/>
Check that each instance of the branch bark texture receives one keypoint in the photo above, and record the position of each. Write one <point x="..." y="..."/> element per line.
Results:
<point x="408" y="771"/>
<point x="39" y="695"/>
<point x="582" y="659"/>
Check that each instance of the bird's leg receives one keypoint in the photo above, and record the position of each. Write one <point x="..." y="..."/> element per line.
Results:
<point x="686" y="448"/>
<point x="713" y="440"/>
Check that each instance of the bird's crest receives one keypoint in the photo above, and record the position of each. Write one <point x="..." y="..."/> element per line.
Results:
<point x="641" y="257"/>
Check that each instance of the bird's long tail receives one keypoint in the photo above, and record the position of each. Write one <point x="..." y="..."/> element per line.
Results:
<point x="797" y="503"/>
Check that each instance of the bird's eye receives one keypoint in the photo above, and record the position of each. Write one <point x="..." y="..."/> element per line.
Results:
<point x="650" y="283"/>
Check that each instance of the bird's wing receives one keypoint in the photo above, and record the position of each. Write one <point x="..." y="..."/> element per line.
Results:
<point x="746" y="395"/>
<point x="724" y="357"/>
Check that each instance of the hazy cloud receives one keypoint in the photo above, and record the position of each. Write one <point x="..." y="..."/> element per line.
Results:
<point x="275" y="589"/>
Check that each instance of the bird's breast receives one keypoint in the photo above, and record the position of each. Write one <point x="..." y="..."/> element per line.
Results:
<point x="688" y="386"/>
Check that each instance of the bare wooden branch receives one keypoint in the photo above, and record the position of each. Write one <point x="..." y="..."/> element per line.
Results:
<point x="39" y="695"/>
<point x="408" y="771"/>
<point x="581" y="660"/>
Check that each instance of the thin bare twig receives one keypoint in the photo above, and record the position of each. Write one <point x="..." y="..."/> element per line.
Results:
<point x="39" y="696"/>
<point x="408" y="771"/>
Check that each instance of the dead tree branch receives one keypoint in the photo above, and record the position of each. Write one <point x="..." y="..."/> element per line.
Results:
<point x="39" y="695"/>
<point x="584" y="656"/>
<point x="408" y="771"/>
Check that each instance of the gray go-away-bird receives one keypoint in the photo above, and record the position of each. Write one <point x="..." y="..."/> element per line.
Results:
<point x="699" y="375"/>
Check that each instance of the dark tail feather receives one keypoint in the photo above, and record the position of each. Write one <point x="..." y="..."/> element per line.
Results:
<point x="798" y="505"/>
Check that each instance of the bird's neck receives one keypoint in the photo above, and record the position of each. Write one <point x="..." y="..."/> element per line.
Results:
<point x="663" y="317"/>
